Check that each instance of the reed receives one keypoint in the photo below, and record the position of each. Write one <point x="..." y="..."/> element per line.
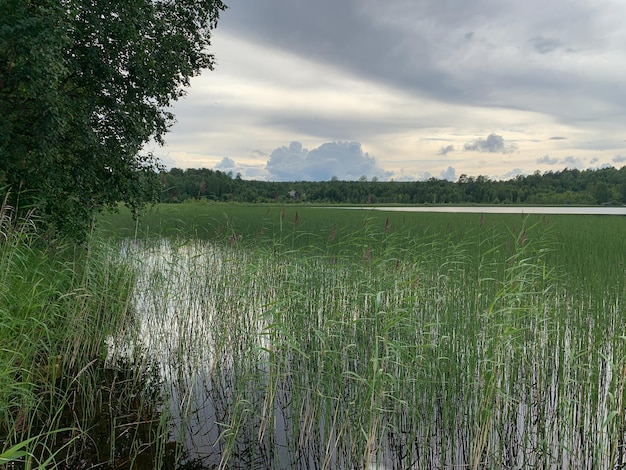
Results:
<point x="59" y="306"/>
<point x="351" y="341"/>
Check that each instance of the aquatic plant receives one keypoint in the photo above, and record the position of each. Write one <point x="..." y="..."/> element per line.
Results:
<point x="383" y="347"/>
<point x="59" y="304"/>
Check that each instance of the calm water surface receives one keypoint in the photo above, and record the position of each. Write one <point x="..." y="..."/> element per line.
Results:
<point x="506" y="209"/>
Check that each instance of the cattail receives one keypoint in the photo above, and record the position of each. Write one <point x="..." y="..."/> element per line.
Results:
<point x="296" y="219"/>
<point x="233" y="239"/>
<point x="387" y="225"/>
<point x="367" y="256"/>
<point x="333" y="234"/>
<point x="482" y="219"/>
<point x="282" y="214"/>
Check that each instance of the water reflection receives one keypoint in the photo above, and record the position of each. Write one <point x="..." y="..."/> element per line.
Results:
<point x="400" y="377"/>
<point x="207" y="343"/>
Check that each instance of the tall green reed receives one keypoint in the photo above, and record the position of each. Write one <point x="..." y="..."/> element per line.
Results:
<point x="59" y="304"/>
<point x="384" y="346"/>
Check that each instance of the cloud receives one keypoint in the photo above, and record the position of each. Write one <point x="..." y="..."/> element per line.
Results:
<point x="445" y="150"/>
<point x="572" y="162"/>
<point x="344" y="160"/>
<point x="492" y="144"/>
<point x="545" y="45"/>
<point x="619" y="159"/>
<point x="226" y="164"/>
<point x="420" y="176"/>
<point x="513" y="173"/>
<point x="167" y="161"/>
<point x="547" y="160"/>
<point x="390" y="72"/>
<point x="475" y="53"/>
<point x="253" y="172"/>
<point x="448" y="174"/>
<point x="249" y="172"/>
<point x="567" y="162"/>
<point x="404" y="178"/>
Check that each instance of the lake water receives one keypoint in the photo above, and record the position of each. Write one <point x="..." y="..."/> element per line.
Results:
<point x="572" y="210"/>
<point x="281" y="362"/>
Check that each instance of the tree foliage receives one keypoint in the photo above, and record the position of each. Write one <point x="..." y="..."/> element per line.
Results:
<point x="84" y="85"/>
<point x="570" y="186"/>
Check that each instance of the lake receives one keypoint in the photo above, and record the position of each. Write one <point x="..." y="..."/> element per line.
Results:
<point x="421" y="355"/>
<point x="572" y="210"/>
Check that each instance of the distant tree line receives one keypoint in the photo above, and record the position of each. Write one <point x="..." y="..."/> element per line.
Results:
<point x="570" y="186"/>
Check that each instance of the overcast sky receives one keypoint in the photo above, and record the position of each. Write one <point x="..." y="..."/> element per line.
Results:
<point x="407" y="89"/>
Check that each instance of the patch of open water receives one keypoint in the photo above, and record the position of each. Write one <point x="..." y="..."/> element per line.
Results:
<point x="563" y="210"/>
<point x="213" y="353"/>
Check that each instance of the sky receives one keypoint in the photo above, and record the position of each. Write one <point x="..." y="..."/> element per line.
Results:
<point x="407" y="90"/>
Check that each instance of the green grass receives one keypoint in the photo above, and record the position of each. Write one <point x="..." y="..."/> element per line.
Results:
<point x="589" y="248"/>
<point x="269" y="337"/>
<point x="349" y="339"/>
<point x="59" y="305"/>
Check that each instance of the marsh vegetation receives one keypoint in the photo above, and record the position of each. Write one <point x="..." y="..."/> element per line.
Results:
<point x="310" y="338"/>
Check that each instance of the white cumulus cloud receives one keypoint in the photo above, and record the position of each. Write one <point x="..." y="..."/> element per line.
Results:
<point x="344" y="160"/>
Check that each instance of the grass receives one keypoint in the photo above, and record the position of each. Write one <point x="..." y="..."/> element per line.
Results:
<point x="589" y="248"/>
<point x="59" y="305"/>
<point x="233" y="336"/>
<point x="324" y="338"/>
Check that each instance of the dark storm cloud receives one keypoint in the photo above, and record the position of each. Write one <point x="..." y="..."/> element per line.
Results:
<point x="492" y="144"/>
<point x="558" y="138"/>
<point x="344" y="160"/>
<point x="388" y="42"/>
<point x="475" y="53"/>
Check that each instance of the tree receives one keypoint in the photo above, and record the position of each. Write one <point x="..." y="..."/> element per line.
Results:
<point x="601" y="192"/>
<point x="84" y="86"/>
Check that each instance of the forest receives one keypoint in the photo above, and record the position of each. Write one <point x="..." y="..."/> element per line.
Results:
<point x="606" y="186"/>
